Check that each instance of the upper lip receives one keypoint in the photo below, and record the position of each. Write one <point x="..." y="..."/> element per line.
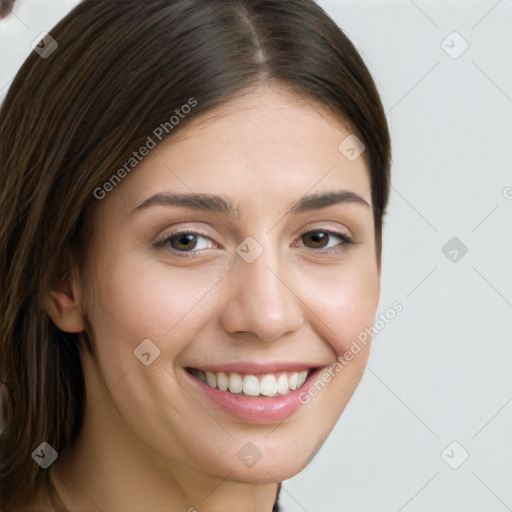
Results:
<point x="253" y="367"/>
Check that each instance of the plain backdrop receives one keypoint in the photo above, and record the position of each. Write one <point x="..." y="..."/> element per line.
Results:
<point x="429" y="428"/>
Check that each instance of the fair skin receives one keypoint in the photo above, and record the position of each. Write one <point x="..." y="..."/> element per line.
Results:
<point x="152" y="437"/>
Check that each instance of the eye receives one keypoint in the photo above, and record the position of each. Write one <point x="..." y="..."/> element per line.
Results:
<point x="321" y="239"/>
<point x="190" y="242"/>
<point x="185" y="241"/>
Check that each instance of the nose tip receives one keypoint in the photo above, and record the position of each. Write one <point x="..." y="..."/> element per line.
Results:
<point x="262" y="302"/>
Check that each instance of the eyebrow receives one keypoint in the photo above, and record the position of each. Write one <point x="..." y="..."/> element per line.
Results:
<point x="324" y="199"/>
<point x="223" y="205"/>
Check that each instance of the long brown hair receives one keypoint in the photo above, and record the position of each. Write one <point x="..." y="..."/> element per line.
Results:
<point x="69" y="122"/>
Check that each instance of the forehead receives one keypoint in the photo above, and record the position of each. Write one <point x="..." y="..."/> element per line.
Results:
<point x="267" y="144"/>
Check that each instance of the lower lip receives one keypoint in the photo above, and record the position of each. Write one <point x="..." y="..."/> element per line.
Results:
<point x="256" y="409"/>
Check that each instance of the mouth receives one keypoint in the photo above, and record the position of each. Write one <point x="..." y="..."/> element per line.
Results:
<point x="255" y="392"/>
<point x="270" y="385"/>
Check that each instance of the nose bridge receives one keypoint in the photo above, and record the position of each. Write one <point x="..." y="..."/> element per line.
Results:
<point x="262" y="301"/>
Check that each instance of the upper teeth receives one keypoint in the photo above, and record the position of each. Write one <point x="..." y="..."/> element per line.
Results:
<point x="269" y="384"/>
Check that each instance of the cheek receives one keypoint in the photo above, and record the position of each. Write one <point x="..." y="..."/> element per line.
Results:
<point x="137" y="298"/>
<point x="346" y="303"/>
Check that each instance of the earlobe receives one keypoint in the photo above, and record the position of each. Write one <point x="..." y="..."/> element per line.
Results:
<point x="63" y="305"/>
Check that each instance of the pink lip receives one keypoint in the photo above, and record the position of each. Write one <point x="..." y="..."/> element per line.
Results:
<point x="256" y="409"/>
<point x="257" y="368"/>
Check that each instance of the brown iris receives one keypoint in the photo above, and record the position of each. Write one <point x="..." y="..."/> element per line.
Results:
<point x="183" y="241"/>
<point x="318" y="239"/>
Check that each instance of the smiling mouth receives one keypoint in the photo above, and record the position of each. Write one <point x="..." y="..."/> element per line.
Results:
<point x="246" y="384"/>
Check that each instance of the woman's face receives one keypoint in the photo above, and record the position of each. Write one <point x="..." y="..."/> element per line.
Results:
<point x="233" y="254"/>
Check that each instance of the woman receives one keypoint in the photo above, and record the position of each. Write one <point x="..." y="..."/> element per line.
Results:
<point x="192" y="196"/>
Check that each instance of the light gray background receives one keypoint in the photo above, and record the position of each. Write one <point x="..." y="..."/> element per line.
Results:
<point x="440" y="371"/>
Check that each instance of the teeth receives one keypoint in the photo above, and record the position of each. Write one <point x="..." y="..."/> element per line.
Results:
<point x="301" y="378"/>
<point x="282" y="384"/>
<point x="235" y="383"/>
<point x="222" y="381"/>
<point x="211" y="379"/>
<point x="251" y="385"/>
<point x="270" y="385"/>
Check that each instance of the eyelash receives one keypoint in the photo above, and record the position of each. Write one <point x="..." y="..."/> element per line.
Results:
<point x="163" y="242"/>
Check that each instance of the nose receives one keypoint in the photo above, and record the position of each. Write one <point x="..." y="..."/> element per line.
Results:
<point x="263" y="299"/>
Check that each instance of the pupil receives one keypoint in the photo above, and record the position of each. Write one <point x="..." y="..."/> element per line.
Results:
<point x="185" y="241"/>
<point x="319" y="239"/>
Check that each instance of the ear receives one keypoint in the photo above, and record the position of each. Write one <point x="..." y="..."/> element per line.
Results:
<point x="64" y="305"/>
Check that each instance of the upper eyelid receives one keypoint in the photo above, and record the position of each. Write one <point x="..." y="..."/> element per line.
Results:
<point x="195" y="231"/>
<point x="164" y="238"/>
<point x="167" y="236"/>
<point x="330" y="229"/>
